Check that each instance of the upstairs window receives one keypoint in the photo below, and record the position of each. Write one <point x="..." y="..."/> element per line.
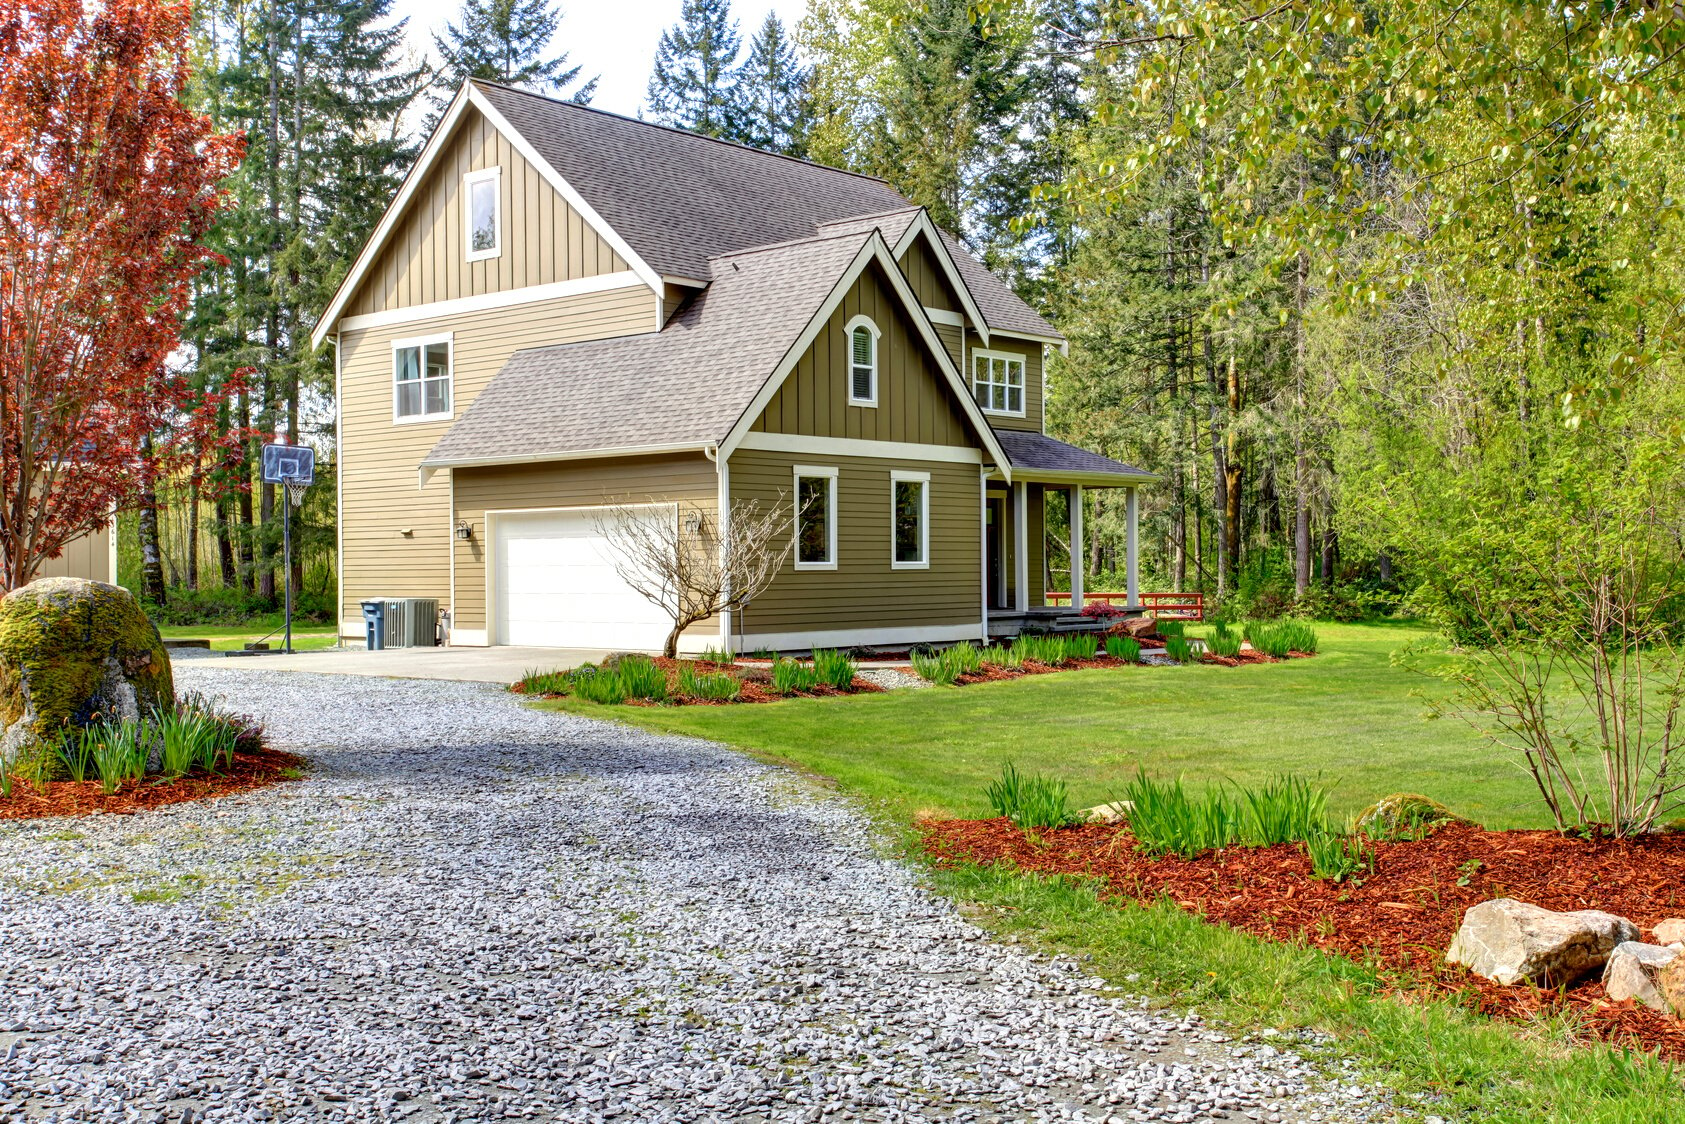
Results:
<point x="421" y="378"/>
<point x="816" y="518"/>
<point x="862" y="362"/>
<point x="997" y="380"/>
<point x="483" y="199"/>
<point x="910" y="520"/>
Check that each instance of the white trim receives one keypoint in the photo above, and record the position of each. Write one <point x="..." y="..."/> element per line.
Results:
<point x="450" y="537"/>
<point x="1050" y="341"/>
<point x="866" y="322"/>
<point x="574" y="199"/>
<point x="1078" y="549"/>
<point x="723" y="517"/>
<point x="983" y="540"/>
<point x="471" y="180"/>
<point x="1132" y="549"/>
<point x="1023" y="362"/>
<point x="903" y="476"/>
<point x="428" y="468"/>
<point x="856" y="447"/>
<point x="1092" y="479"/>
<point x="828" y="472"/>
<point x="422" y="343"/>
<point x="1021" y="546"/>
<point x="339" y="490"/>
<point x="944" y="316"/>
<point x="923" y="224"/>
<point x="508" y="298"/>
<point x="876" y="249"/>
<point x="470" y="637"/>
<point x="889" y="636"/>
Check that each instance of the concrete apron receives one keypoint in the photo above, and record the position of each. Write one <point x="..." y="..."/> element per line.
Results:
<point x="471" y="665"/>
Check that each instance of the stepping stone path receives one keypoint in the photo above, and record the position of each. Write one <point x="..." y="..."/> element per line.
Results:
<point x="476" y="911"/>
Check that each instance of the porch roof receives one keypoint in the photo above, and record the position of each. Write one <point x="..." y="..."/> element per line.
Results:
<point x="1038" y="457"/>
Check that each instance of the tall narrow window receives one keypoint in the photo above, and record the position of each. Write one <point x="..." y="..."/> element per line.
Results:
<point x="482" y="194"/>
<point x="816" y="518"/>
<point x="998" y="382"/>
<point x="421" y="378"/>
<point x="910" y="520"/>
<point x="862" y="362"/>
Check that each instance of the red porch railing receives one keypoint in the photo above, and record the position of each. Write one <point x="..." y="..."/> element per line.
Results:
<point x="1179" y="606"/>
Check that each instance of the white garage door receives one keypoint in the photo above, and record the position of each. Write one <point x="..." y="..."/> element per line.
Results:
<point x="557" y="586"/>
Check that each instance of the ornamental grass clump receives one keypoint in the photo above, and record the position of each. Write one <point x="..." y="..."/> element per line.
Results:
<point x="1167" y="629"/>
<point x="1125" y="648"/>
<point x="834" y="668"/>
<point x="932" y="668"/>
<point x="1286" y="809"/>
<point x="1180" y="649"/>
<point x="713" y="686"/>
<point x="966" y="659"/>
<point x="598" y="685"/>
<point x="999" y="655"/>
<point x="1031" y="801"/>
<point x="1049" y="650"/>
<point x="1166" y="820"/>
<point x="1336" y="857"/>
<point x="791" y="677"/>
<point x="537" y="682"/>
<point x="1223" y="641"/>
<point x="1277" y="639"/>
<point x="1081" y="646"/>
<point x="641" y="678"/>
<point x="119" y="752"/>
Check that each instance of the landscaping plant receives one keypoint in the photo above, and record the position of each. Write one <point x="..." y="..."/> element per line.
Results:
<point x="1031" y="800"/>
<point x="1165" y="819"/>
<point x="1167" y="629"/>
<point x="119" y="751"/>
<point x="1335" y="856"/>
<point x="1180" y="649"/>
<point x="965" y="659"/>
<point x="598" y="685"/>
<point x="1283" y="810"/>
<point x="1223" y="641"/>
<point x="934" y="669"/>
<point x="1277" y="639"/>
<point x="537" y="682"/>
<point x="792" y="676"/>
<point x="1081" y="646"/>
<point x="717" y="686"/>
<point x="834" y="668"/>
<point x="999" y="655"/>
<point x="1125" y="648"/>
<point x="640" y="678"/>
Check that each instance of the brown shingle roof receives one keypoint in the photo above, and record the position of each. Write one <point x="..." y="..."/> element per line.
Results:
<point x="688" y="383"/>
<point x="1039" y="452"/>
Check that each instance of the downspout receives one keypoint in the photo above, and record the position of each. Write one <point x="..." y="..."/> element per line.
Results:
<point x="723" y="521"/>
<point x="983" y="534"/>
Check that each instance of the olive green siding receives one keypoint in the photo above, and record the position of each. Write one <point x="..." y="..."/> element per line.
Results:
<point x="689" y="480"/>
<point x="1033" y="386"/>
<point x="927" y="277"/>
<point x="864" y="591"/>
<point x="953" y="342"/>
<point x="425" y="260"/>
<point x="914" y="403"/>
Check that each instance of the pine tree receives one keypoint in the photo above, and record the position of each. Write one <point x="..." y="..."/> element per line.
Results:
<point x="505" y="41"/>
<point x="694" y="84"/>
<point x="772" y="92"/>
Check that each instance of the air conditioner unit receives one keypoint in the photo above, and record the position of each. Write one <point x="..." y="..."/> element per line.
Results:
<point x="412" y="622"/>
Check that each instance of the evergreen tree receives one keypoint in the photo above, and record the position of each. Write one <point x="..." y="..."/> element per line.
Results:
<point x="772" y="91"/>
<point x="694" y="85"/>
<point x="505" y="41"/>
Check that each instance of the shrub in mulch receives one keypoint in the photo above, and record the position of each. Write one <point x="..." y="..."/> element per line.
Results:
<point x="251" y="769"/>
<point x="1399" y="916"/>
<point x="755" y="680"/>
<point x="992" y="673"/>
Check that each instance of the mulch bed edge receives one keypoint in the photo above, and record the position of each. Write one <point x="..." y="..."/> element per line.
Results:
<point x="251" y="771"/>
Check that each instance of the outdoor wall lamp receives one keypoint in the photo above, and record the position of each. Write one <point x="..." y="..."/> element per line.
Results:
<point x="464" y="529"/>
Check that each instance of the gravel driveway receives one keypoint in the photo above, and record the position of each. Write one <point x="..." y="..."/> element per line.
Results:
<point x="474" y="911"/>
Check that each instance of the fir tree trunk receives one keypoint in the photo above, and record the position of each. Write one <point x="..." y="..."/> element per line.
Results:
<point x="151" y="550"/>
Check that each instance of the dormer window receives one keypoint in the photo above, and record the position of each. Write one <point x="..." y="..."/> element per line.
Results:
<point x="483" y="201"/>
<point x="862" y="362"/>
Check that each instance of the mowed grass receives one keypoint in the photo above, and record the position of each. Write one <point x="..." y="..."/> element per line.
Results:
<point x="1348" y="715"/>
<point x="232" y="637"/>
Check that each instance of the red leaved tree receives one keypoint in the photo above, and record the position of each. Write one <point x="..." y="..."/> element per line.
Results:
<point x="108" y="183"/>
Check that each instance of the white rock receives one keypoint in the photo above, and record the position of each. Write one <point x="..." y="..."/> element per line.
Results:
<point x="1671" y="931"/>
<point x="1632" y="970"/>
<point x="1115" y="812"/>
<point x="1513" y="942"/>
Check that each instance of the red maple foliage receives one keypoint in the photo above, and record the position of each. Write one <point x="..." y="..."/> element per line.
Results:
<point x="108" y="184"/>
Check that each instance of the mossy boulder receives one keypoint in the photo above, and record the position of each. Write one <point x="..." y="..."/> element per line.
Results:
<point x="1405" y="815"/>
<point x="73" y="651"/>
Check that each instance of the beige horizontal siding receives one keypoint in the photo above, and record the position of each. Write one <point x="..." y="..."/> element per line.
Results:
<point x="915" y="404"/>
<point x="864" y="591"/>
<point x="380" y="458"/>
<point x="689" y="480"/>
<point x="543" y="239"/>
<point x="1033" y="385"/>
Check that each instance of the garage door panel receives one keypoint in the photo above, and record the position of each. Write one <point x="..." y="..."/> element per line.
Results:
<point x="558" y="585"/>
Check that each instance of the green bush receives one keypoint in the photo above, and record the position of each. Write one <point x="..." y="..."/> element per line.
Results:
<point x="1180" y="649"/>
<point x="1337" y="857"/>
<point x="715" y="686"/>
<point x="1125" y="648"/>
<point x="641" y="678"/>
<point x="792" y="676"/>
<point x="834" y="668"/>
<point x="1031" y="801"/>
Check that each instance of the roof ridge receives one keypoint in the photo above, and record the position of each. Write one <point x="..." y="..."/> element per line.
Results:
<point x="872" y="215"/>
<point x="747" y="250"/>
<point x="685" y="133"/>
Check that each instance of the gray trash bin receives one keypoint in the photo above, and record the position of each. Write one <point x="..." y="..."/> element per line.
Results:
<point x="374" y="625"/>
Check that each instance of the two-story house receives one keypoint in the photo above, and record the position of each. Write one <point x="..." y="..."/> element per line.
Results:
<point x="565" y="310"/>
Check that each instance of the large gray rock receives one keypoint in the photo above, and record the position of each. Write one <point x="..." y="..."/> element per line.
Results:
<point x="1633" y="971"/>
<point x="73" y="651"/>
<point x="1513" y="942"/>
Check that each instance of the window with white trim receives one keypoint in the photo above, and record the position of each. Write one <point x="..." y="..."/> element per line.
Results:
<point x="421" y="378"/>
<point x="863" y="338"/>
<point x="997" y="381"/>
<point x="483" y="202"/>
<point x="909" y="520"/>
<point x="816" y="518"/>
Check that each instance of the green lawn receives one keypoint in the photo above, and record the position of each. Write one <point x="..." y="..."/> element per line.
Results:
<point x="231" y="637"/>
<point x="1347" y="714"/>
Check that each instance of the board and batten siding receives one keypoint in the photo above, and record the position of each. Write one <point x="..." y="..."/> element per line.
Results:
<point x="689" y="480"/>
<point x="395" y="537"/>
<point x="1034" y="388"/>
<point x="864" y="591"/>
<point x="87" y="556"/>
<point x="914" y="402"/>
<point x="543" y="239"/>
<point x="928" y="279"/>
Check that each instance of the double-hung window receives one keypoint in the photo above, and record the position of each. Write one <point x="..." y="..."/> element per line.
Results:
<point x="816" y="518"/>
<point x="421" y="378"/>
<point x="997" y="381"/>
<point x="863" y="336"/>
<point x="909" y="520"/>
<point x="482" y="193"/>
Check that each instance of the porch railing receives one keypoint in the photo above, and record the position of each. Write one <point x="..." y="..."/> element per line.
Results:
<point x="1178" y="606"/>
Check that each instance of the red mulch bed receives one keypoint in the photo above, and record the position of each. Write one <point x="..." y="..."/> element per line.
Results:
<point x="991" y="674"/>
<point x="253" y="770"/>
<point x="757" y="686"/>
<point x="1402" y="914"/>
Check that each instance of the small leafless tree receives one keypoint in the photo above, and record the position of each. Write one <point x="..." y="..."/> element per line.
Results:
<point x="688" y="568"/>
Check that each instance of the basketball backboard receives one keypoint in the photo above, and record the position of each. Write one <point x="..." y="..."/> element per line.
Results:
<point x="283" y="464"/>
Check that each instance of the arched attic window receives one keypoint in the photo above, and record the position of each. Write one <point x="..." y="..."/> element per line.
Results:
<point x="863" y="338"/>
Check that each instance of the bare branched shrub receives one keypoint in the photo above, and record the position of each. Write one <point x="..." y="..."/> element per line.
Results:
<point x="684" y="566"/>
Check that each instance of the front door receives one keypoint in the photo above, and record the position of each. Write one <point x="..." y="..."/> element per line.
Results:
<point x="996" y="537"/>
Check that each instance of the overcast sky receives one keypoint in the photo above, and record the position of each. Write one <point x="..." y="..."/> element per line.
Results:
<point x="613" y="38"/>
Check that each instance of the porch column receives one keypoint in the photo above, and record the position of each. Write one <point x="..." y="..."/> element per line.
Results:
<point x="1131" y="554"/>
<point x="1021" y="545"/>
<point x="1077" y="548"/>
<point x="983" y="552"/>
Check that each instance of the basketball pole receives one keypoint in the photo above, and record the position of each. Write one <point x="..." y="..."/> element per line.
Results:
<point x="287" y="561"/>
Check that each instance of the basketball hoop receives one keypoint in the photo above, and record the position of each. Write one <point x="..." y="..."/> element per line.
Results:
<point x="293" y="467"/>
<point x="295" y="491"/>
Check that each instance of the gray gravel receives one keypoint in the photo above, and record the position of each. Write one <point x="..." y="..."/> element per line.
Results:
<point x="474" y="911"/>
